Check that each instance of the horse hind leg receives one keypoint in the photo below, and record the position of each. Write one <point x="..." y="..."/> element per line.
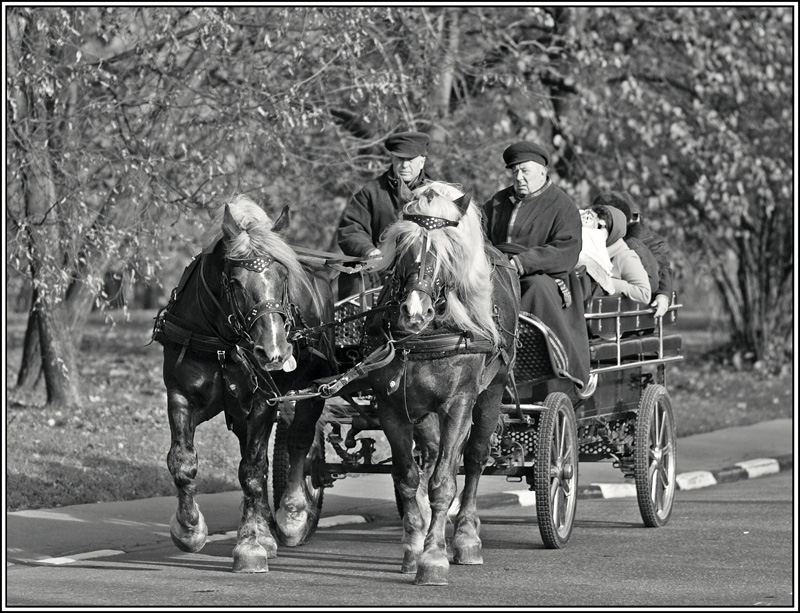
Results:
<point x="187" y="526"/>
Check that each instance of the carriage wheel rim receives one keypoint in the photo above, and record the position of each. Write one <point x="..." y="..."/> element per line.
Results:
<point x="562" y="489"/>
<point x="661" y="472"/>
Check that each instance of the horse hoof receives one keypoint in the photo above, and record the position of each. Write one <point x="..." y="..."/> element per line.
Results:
<point x="431" y="575"/>
<point x="190" y="540"/>
<point x="431" y="570"/>
<point x="249" y="558"/>
<point x="470" y="554"/>
<point x="291" y="527"/>
<point x="269" y="545"/>
<point x="409" y="563"/>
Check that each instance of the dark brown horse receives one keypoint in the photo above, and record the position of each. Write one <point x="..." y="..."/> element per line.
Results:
<point x="227" y="336"/>
<point x="453" y="330"/>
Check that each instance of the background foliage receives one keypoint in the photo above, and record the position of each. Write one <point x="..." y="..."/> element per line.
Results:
<point x="127" y="126"/>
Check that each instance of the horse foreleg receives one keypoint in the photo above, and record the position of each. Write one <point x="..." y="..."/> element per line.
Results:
<point x="432" y="562"/>
<point x="466" y="543"/>
<point x="292" y="516"/>
<point x="426" y="440"/>
<point x="254" y="542"/>
<point x="187" y="526"/>
<point x="406" y="475"/>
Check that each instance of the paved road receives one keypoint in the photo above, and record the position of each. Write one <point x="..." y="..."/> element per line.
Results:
<point x="63" y="535"/>
<point x="725" y="546"/>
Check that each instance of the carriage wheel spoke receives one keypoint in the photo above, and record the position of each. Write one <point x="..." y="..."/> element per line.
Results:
<point x="558" y="509"/>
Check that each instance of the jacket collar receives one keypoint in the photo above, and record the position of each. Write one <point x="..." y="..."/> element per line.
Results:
<point x="514" y="199"/>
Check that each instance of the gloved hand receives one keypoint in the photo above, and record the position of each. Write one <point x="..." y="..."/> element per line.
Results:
<point x="661" y="304"/>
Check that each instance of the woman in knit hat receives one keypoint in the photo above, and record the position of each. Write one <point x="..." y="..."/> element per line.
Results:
<point x="628" y="274"/>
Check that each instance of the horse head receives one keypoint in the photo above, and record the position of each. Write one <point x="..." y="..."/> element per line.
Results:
<point x="440" y="267"/>
<point x="256" y="282"/>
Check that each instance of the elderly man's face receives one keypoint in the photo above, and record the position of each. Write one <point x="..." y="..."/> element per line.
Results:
<point x="408" y="169"/>
<point x="528" y="177"/>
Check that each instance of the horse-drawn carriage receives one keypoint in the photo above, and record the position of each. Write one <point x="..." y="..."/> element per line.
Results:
<point x="441" y="360"/>
<point x="545" y="428"/>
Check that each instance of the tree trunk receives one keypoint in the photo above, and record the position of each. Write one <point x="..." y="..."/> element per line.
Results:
<point x="450" y="32"/>
<point x="40" y="202"/>
<point x="30" y="369"/>
<point x="58" y="358"/>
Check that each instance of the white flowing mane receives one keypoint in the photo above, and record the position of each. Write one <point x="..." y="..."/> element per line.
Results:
<point x="461" y="260"/>
<point x="258" y="240"/>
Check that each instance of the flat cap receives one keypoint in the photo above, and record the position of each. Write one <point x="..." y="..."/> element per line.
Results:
<point x="525" y="152"/>
<point x="408" y="144"/>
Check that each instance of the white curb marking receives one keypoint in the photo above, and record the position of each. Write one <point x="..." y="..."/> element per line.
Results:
<point x="102" y="553"/>
<point x="760" y="467"/>
<point x="222" y="537"/>
<point x="527" y="498"/>
<point x="695" y="479"/>
<point x="39" y="514"/>
<point x="338" y="520"/>
<point x="617" y="490"/>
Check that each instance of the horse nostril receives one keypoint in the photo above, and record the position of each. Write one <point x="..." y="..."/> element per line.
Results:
<point x="404" y="310"/>
<point x="429" y="312"/>
<point x="262" y="354"/>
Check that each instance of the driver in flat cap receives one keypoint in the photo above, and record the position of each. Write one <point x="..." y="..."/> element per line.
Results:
<point x="538" y="226"/>
<point x="379" y="203"/>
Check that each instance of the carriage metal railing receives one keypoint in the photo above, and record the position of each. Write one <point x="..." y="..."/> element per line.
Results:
<point x="618" y="315"/>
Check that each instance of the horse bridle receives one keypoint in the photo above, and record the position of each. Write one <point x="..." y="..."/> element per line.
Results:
<point x="241" y="322"/>
<point x="421" y="276"/>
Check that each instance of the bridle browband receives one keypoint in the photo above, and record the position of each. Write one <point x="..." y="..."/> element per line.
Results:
<point x="430" y="223"/>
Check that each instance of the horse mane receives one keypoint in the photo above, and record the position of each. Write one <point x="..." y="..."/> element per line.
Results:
<point x="258" y="240"/>
<point x="461" y="260"/>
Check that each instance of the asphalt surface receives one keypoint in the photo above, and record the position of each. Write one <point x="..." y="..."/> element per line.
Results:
<point x="66" y="534"/>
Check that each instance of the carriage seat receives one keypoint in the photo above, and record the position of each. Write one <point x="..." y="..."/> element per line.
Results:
<point x="633" y="349"/>
<point x="640" y="320"/>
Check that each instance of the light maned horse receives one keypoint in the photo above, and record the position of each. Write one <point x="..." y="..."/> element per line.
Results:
<point x="458" y="305"/>
<point x="227" y="346"/>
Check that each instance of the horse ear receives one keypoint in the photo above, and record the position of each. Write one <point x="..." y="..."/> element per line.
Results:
<point x="282" y="221"/>
<point x="230" y="228"/>
<point x="462" y="203"/>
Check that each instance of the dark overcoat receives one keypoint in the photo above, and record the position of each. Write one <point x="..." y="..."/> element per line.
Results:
<point x="368" y="213"/>
<point x="546" y="237"/>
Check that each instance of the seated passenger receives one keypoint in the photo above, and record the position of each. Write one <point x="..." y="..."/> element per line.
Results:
<point x="539" y="227"/>
<point x="628" y="274"/>
<point x="657" y="246"/>
<point x="594" y="257"/>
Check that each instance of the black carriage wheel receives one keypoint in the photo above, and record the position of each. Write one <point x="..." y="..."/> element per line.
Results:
<point x="655" y="456"/>
<point x="556" y="470"/>
<point x="280" y="475"/>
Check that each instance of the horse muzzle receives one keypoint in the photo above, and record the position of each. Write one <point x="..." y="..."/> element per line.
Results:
<point x="275" y="358"/>
<point x="416" y="312"/>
